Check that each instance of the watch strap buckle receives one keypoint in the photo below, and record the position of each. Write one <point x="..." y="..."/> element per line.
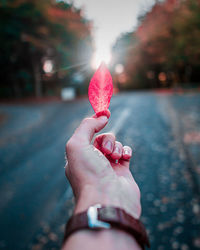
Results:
<point x="93" y="221"/>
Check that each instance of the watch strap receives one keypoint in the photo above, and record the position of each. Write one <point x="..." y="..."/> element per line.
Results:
<point x="113" y="217"/>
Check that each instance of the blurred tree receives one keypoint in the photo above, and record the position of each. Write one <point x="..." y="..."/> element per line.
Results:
<point x="165" y="52"/>
<point x="120" y="51"/>
<point x="185" y="52"/>
<point x="122" y="46"/>
<point x="32" y="32"/>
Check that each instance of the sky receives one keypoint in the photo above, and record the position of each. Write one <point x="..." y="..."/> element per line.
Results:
<point x="110" y="19"/>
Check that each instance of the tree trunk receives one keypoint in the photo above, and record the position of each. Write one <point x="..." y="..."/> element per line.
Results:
<point x="38" y="81"/>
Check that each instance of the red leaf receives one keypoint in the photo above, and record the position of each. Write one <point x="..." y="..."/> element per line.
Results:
<point x="100" y="90"/>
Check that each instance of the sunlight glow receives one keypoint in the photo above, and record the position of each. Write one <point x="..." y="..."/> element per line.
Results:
<point x="101" y="55"/>
<point x="110" y="19"/>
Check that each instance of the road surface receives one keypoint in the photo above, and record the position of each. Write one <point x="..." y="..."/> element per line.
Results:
<point x="36" y="200"/>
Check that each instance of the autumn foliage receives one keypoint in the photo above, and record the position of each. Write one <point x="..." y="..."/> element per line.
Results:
<point x="32" y="32"/>
<point x="164" y="51"/>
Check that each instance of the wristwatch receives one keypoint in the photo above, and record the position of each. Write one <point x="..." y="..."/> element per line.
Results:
<point x="99" y="217"/>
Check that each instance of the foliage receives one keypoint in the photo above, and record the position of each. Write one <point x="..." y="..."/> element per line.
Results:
<point x="30" y="32"/>
<point x="167" y="51"/>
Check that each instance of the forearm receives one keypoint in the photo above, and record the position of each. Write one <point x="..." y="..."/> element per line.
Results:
<point x="106" y="239"/>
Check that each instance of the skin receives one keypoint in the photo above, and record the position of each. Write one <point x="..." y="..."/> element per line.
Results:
<point x="99" y="173"/>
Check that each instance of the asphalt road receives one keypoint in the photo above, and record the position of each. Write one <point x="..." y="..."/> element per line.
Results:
<point x="36" y="200"/>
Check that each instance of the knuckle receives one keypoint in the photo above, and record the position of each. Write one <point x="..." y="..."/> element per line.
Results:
<point x="71" y="144"/>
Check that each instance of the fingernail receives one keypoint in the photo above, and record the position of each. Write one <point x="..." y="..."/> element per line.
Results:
<point x="117" y="150"/>
<point x="127" y="152"/>
<point x="103" y="118"/>
<point x="108" y="145"/>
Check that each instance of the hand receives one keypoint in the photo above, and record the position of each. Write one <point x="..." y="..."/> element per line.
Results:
<point x="99" y="172"/>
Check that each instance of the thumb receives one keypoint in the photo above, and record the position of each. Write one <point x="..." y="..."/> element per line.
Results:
<point x="90" y="126"/>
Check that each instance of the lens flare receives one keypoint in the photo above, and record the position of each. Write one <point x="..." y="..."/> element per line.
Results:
<point x="101" y="55"/>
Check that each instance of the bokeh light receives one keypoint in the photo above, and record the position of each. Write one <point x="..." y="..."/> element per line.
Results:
<point x="119" y="68"/>
<point x="48" y="66"/>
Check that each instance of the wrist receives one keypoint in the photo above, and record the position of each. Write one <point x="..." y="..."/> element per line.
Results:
<point x="101" y="218"/>
<point x="91" y="195"/>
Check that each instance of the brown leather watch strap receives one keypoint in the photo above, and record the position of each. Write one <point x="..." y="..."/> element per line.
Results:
<point x="112" y="216"/>
<point x="118" y="218"/>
